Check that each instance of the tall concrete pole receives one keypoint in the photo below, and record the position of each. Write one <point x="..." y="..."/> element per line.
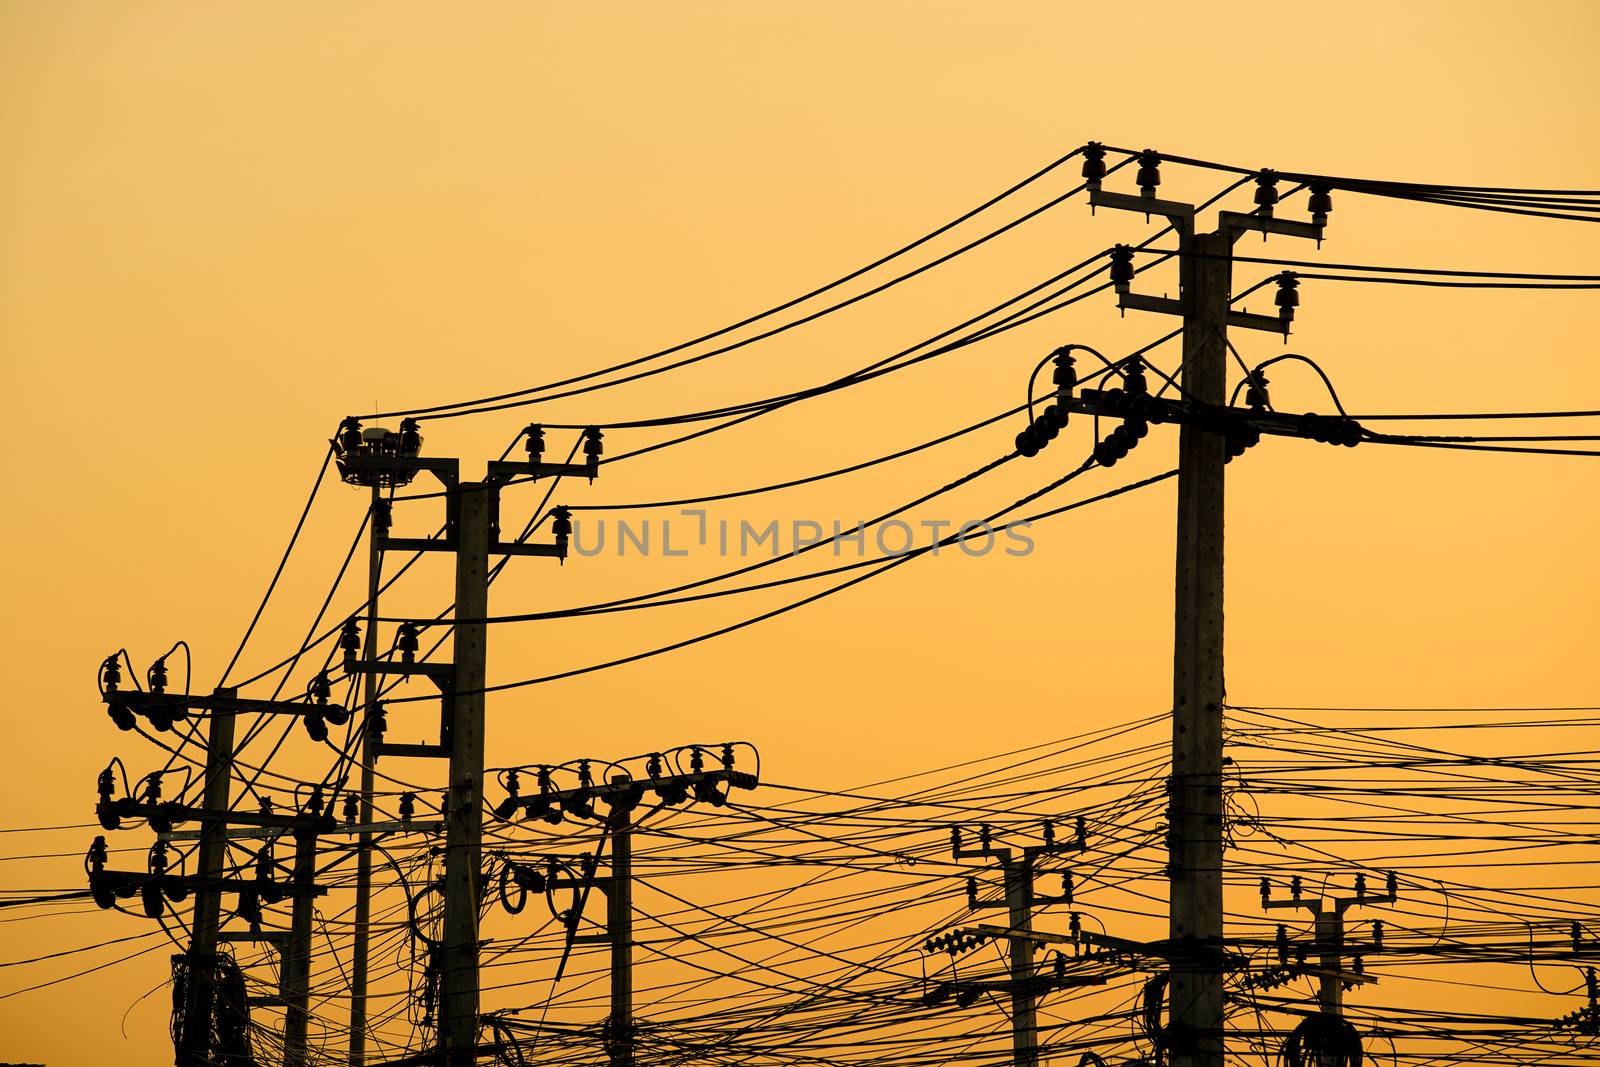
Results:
<point x="1019" y="911"/>
<point x="619" y="928"/>
<point x="194" y="1048"/>
<point x="1195" y="814"/>
<point x="369" y="757"/>
<point x="297" y="958"/>
<point x="458" y="956"/>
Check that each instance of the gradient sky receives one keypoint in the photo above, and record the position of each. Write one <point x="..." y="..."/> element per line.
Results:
<point x="228" y="225"/>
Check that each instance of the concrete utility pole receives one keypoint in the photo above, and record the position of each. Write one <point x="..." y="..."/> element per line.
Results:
<point x="463" y="875"/>
<point x="1195" y="811"/>
<point x="376" y="457"/>
<point x="619" y="928"/>
<point x="369" y="756"/>
<point x="621" y="794"/>
<point x="194" y="1048"/>
<point x="1329" y="942"/>
<point x="1020" y="900"/>
<point x="297" y="955"/>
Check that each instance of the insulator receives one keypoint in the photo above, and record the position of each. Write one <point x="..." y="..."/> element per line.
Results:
<point x="1255" y="391"/>
<point x="1066" y="886"/>
<point x="967" y="995"/>
<point x="1377" y="934"/>
<point x="405" y="640"/>
<point x="561" y="522"/>
<point x="727" y="757"/>
<point x="350" y="637"/>
<point x="652" y="766"/>
<point x="985" y="835"/>
<point x="1266" y="191"/>
<point x="1065" y="377"/>
<point x="150" y="896"/>
<point x="1149" y="178"/>
<point x="1081" y="832"/>
<point x="352" y="808"/>
<point x="1107" y="452"/>
<point x="1049" y="832"/>
<point x="1320" y="203"/>
<point x="592" y="447"/>
<point x="122" y="716"/>
<point x="1294" y="887"/>
<point x="382" y="517"/>
<point x="1283" y="945"/>
<point x="111" y="673"/>
<point x="1287" y="298"/>
<point x="586" y="775"/>
<point x="316" y="725"/>
<point x="1121" y="267"/>
<point x="538" y="808"/>
<point x="350" y="436"/>
<point x="319" y="688"/>
<point x="546" y="785"/>
<point x="1027" y="442"/>
<point x="1133" y="380"/>
<point x="264" y="861"/>
<point x="697" y="759"/>
<point x="1045" y="428"/>
<point x="1390" y="883"/>
<point x="157" y="675"/>
<point x="104" y="785"/>
<point x="672" y="793"/>
<point x="1094" y="164"/>
<point x="1361" y="886"/>
<point x="410" y="438"/>
<point x="955" y="839"/>
<point x="972" y="891"/>
<point x="408" y="806"/>
<point x="706" y="791"/>
<point x="377" y="722"/>
<point x="533" y="442"/>
<point x="250" y="908"/>
<point x="507" y="807"/>
<point x="1074" y="924"/>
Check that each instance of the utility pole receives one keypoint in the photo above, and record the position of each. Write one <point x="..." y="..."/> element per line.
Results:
<point x="297" y="956"/>
<point x="377" y="523"/>
<point x="376" y="457"/>
<point x="621" y="794"/>
<point x="458" y="953"/>
<point x="1020" y="900"/>
<point x="194" y="1049"/>
<point x="1329" y="937"/>
<point x="194" y="1038"/>
<point x="1195" y="809"/>
<point x="619" y="927"/>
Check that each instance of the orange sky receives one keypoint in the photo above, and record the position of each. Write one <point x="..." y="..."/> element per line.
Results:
<point x="227" y="226"/>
